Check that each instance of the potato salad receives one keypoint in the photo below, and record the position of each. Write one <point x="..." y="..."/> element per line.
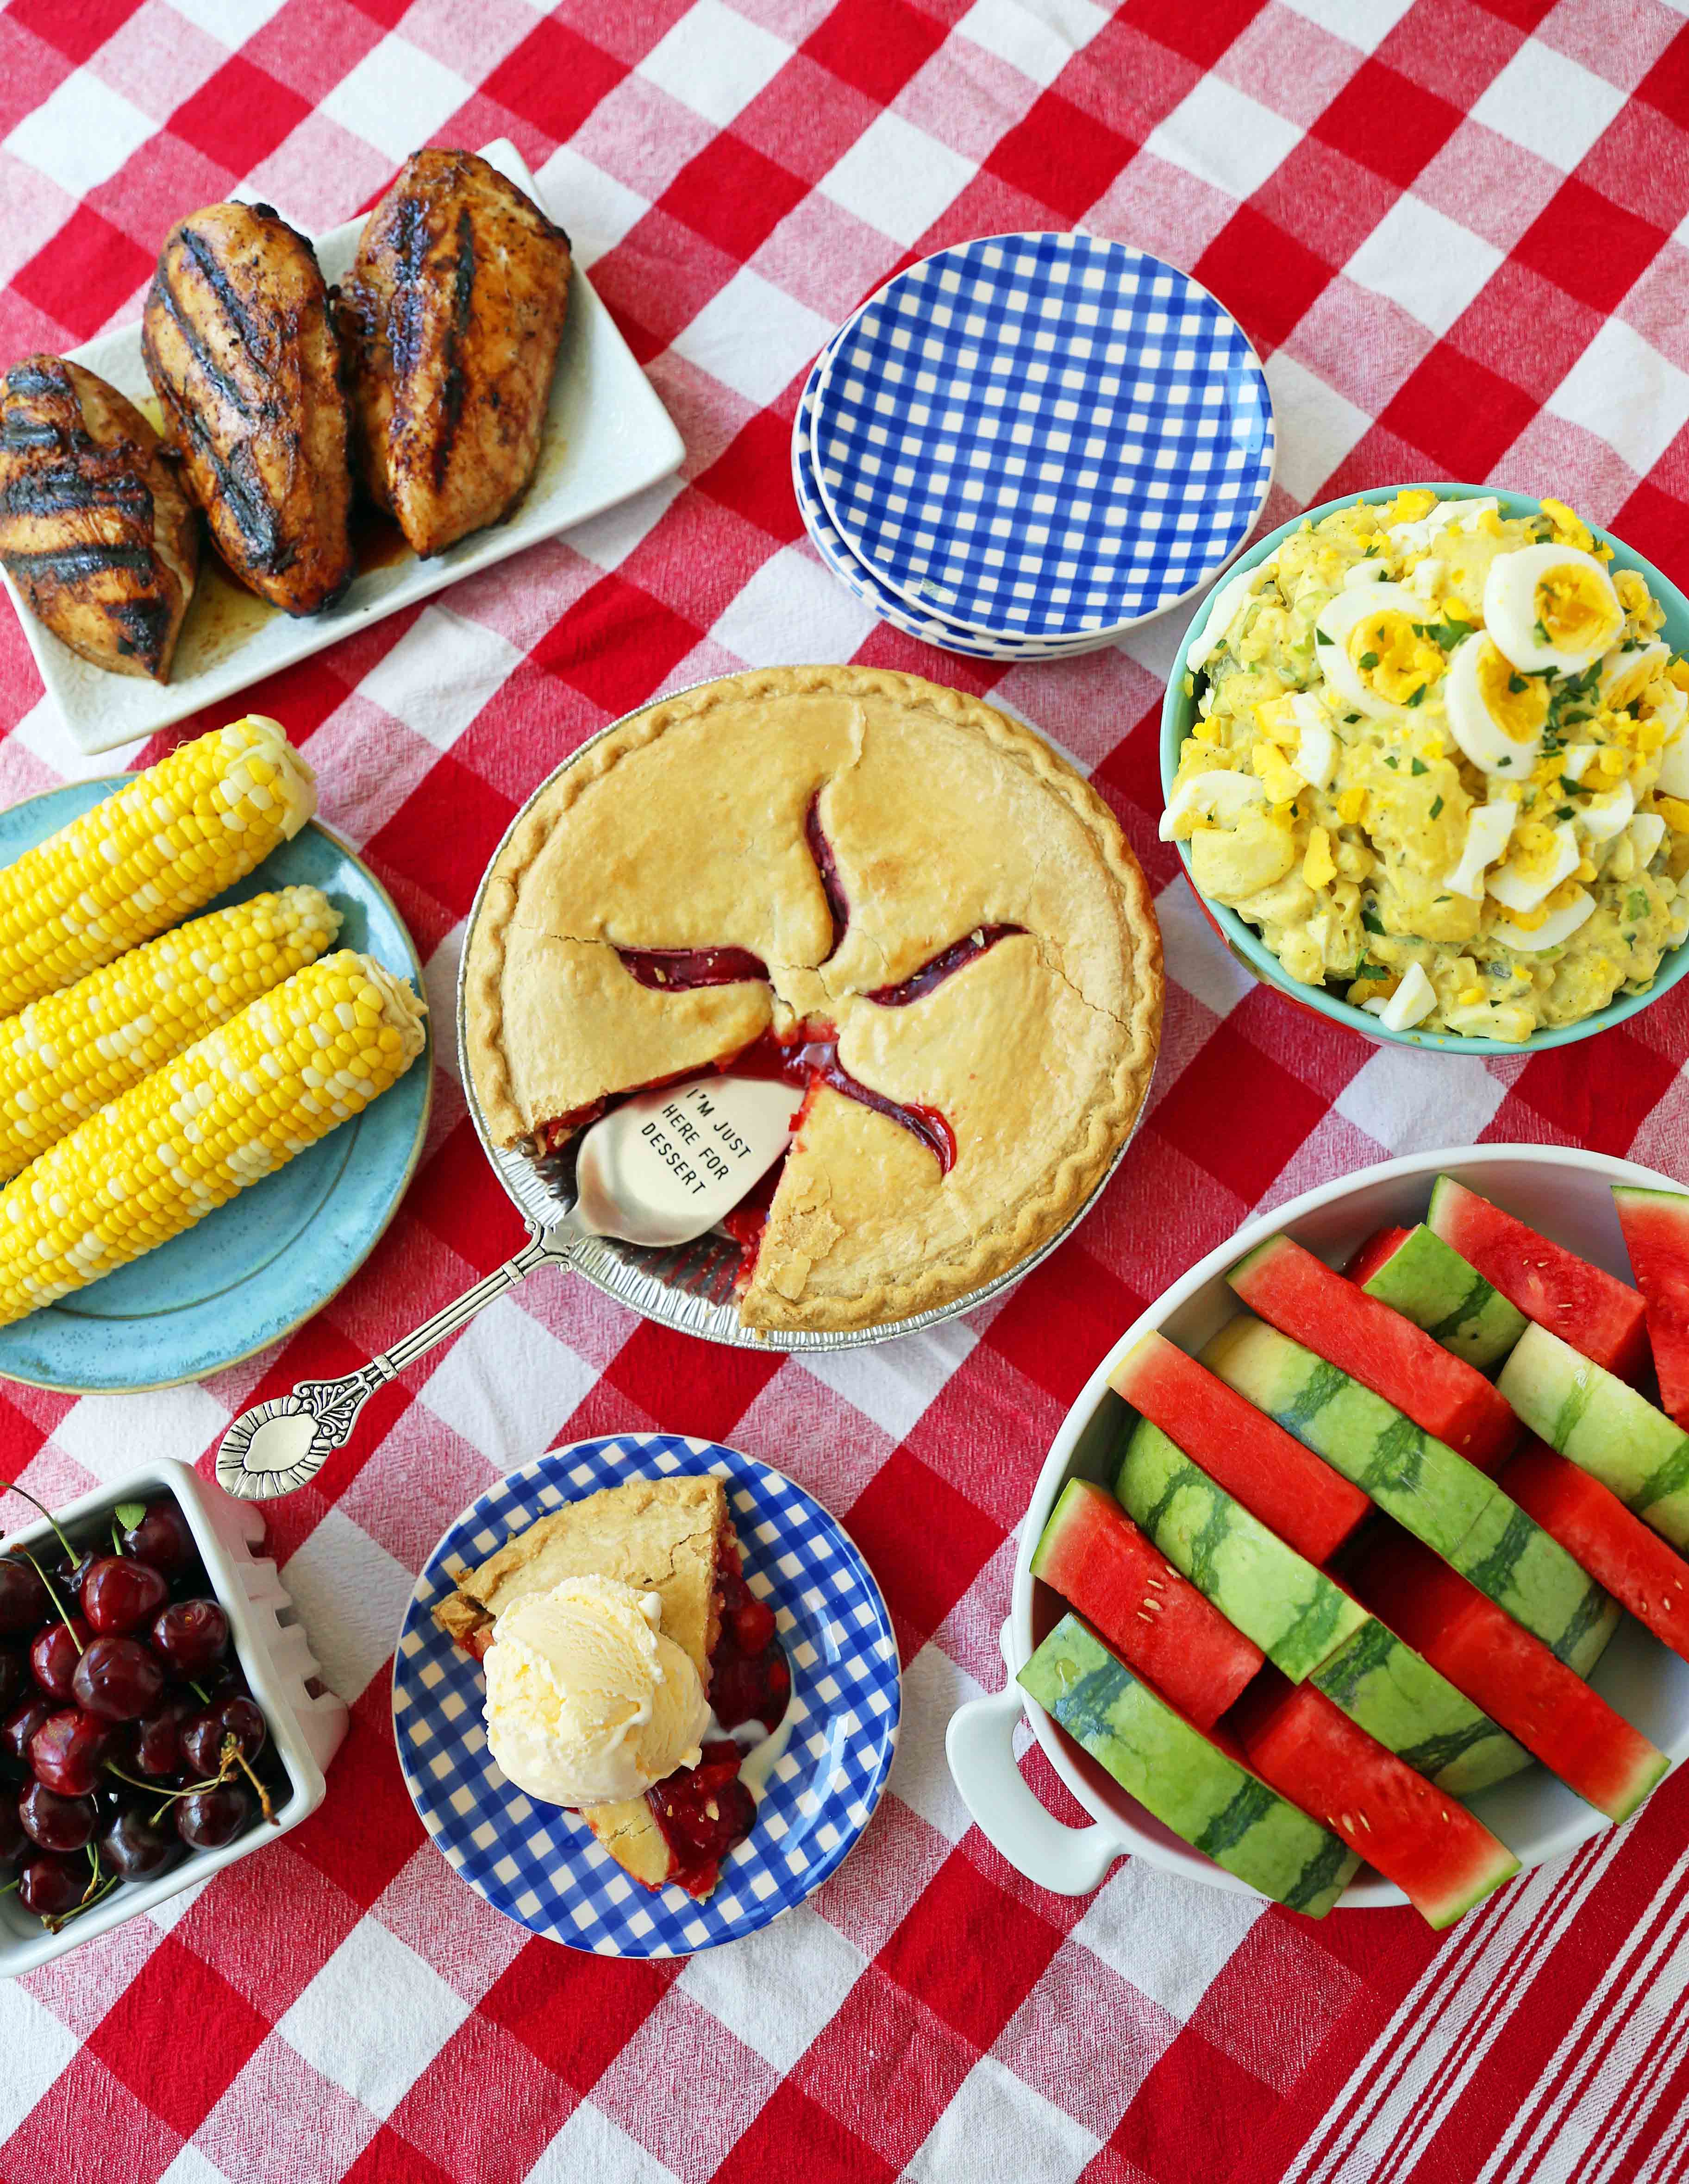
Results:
<point x="1440" y="762"/>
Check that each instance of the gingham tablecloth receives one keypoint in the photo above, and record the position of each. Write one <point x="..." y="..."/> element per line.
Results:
<point x="1453" y="231"/>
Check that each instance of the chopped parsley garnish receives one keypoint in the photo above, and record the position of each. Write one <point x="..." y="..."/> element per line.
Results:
<point x="1392" y="763"/>
<point x="1371" y="920"/>
<point x="1437" y="809"/>
<point x="1320" y="638"/>
<point x="1501" y="762"/>
<point x="1420" y="766"/>
<point x="1368" y="660"/>
<point x="1349" y="719"/>
<point x="1563" y="812"/>
<point x="1540" y="629"/>
<point x="1369" y="969"/>
<point x="1416" y="695"/>
<point x="1515" y="683"/>
<point x="1572" y="788"/>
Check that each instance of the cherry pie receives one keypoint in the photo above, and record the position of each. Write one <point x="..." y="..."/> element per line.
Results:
<point x="884" y="891"/>
<point x="673" y="1537"/>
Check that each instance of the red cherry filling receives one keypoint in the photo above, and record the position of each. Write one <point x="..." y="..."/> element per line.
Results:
<point x="679" y="968"/>
<point x="942" y="966"/>
<point x="827" y="868"/>
<point x="706" y="1812"/>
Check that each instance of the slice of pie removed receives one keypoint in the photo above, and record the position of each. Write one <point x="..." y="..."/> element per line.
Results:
<point x="673" y="1537"/>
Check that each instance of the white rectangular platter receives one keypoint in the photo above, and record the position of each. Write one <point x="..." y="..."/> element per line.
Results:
<point x="606" y="437"/>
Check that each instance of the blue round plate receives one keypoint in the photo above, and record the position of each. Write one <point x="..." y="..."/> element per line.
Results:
<point x="537" y="1864"/>
<point x="858" y="578"/>
<point x="253" y="1270"/>
<point x="1043" y="436"/>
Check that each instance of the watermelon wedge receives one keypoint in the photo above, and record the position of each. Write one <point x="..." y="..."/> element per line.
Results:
<point x="1193" y="1781"/>
<point x="1582" y="1304"/>
<point x="1510" y="1675"/>
<point x="1380" y="1246"/>
<point x="1442" y="1859"/>
<point x="1415" y="1272"/>
<point x="1309" y="1506"/>
<point x="1604" y="1425"/>
<point x="1157" y="1621"/>
<point x="1420" y="1481"/>
<point x="1617" y="1549"/>
<point x="1656" y="1226"/>
<point x="1302" y="1296"/>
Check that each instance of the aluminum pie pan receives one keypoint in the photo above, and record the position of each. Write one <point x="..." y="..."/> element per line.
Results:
<point x="690" y="1287"/>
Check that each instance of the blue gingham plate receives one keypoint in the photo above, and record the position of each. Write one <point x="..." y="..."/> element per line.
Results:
<point x="256" y="1269"/>
<point x="858" y="578"/>
<point x="1043" y="436"/>
<point x="539" y="1864"/>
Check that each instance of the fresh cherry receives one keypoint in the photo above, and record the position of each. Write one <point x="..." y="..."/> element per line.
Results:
<point x="754" y="1625"/>
<point x="156" y="1749"/>
<point x="23" y="1603"/>
<point x="135" y="1847"/>
<point x="204" y="1735"/>
<point x="208" y="1819"/>
<point x="12" y="1840"/>
<point x="117" y="1679"/>
<point x="162" y="1540"/>
<point x="66" y="1751"/>
<point x="118" y="1593"/>
<point x="192" y="1635"/>
<point x="68" y="1573"/>
<point x="50" y="1885"/>
<point x="20" y="1725"/>
<point x="14" y="1676"/>
<point x="56" y="1823"/>
<point x="55" y="1653"/>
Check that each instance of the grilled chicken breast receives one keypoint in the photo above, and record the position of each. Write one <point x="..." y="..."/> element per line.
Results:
<point x="451" y="318"/>
<point x="95" y="529"/>
<point x="240" y="343"/>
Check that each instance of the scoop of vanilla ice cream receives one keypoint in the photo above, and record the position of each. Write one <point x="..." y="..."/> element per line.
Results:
<point x="587" y="1702"/>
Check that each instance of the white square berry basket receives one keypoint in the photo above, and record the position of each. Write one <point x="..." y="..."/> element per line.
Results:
<point x="306" y="1728"/>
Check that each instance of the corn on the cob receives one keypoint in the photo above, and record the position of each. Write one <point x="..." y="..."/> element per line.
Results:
<point x="245" y="1099"/>
<point x="71" y="1052"/>
<point x="156" y="849"/>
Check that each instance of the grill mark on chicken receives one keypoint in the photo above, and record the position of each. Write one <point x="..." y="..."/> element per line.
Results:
<point x="458" y="327"/>
<point x="244" y="498"/>
<point x="52" y="493"/>
<point x="18" y="433"/>
<point x="70" y="563"/>
<point x="230" y="389"/>
<point x="30" y="379"/>
<point x="141" y="626"/>
<point x="254" y="337"/>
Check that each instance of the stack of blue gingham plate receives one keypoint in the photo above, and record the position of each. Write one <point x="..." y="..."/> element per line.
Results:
<point x="1022" y="447"/>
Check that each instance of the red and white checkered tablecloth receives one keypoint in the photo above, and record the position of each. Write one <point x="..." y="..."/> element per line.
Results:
<point x="1459" y="234"/>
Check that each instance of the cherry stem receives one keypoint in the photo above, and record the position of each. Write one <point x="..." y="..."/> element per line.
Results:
<point x="11" y="1485"/>
<point x="9" y="1886"/>
<point x="93" y="1897"/>
<point x="53" y="1595"/>
<point x="135" y="1782"/>
<point x="230" y="1747"/>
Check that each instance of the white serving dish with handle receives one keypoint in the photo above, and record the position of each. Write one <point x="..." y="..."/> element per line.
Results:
<point x="306" y="1727"/>
<point x="1561" y="1191"/>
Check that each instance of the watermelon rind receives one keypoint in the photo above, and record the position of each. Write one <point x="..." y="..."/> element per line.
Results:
<point x="1656" y="1226"/>
<point x="1643" y="1573"/>
<point x="1604" y="1426"/>
<point x="1308" y="1626"/>
<point x="1396" y="1696"/>
<point x="1293" y="1611"/>
<point x="1428" y="1282"/>
<point x="1430" y="1489"/>
<point x="1192" y="1786"/>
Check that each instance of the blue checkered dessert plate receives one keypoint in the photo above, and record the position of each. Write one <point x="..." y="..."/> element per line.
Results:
<point x="538" y="1863"/>
<point x="1043" y="436"/>
<point x="858" y="578"/>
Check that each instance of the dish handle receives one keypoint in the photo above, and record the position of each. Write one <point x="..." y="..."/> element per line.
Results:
<point x="979" y="1746"/>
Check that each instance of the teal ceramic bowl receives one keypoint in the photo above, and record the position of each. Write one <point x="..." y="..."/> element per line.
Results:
<point x="1178" y="715"/>
<point x="257" y="1268"/>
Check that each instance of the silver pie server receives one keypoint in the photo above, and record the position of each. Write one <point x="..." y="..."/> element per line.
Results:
<point x="659" y="1170"/>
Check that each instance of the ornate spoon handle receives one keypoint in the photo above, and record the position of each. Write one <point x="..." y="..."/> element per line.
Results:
<point x="280" y="1446"/>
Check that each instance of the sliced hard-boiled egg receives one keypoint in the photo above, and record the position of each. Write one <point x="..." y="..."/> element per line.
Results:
<point x="1646" y="832"/>
<point x="1576" y="758"/>
<point x="1411" y="537"/>
<point x="1496" y="714"/>
<point x="1674" y="758"/>
<point x="1372" y="654"/>
<point x="1411" y="1003"/>
<point x="1488" y="831"/>
<point x="1625" y="675"/>
<point x="1316" y="755"/>
<point x="1536" y="868"/>
<point x="1219" y="795"/>
<point x="1551" y="606"/>
<point x="1363" y="572"/>
<point x="1427" y="578"/>
<point x="1605" y="816"/>
<point x="1229" y="603"/>
<point x="1558" y="926"/>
